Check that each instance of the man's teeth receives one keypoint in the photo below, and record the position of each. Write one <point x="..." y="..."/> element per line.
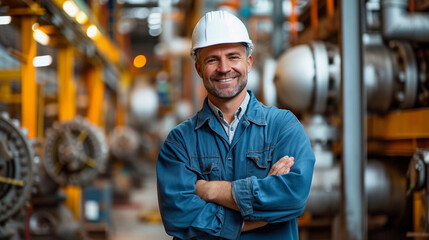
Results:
<point x="225" y="80"/>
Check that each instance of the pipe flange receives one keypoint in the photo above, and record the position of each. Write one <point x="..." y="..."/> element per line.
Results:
<point x="321" y="79"/>
<point x="417" y="171"/>
<point x="75" y="152"/>
<point x="407" y="75"/>
<point x="327" y="65"/>
<point x="16" y="168"/>
<point x="379" y="77"/>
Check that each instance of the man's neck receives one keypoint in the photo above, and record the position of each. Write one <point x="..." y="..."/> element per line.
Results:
<point x="229" y="106"/>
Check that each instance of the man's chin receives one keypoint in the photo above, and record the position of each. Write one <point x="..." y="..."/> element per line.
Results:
<point x="227" y="95"/>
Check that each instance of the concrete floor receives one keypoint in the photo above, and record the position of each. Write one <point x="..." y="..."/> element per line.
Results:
<point x="126" y="218"/>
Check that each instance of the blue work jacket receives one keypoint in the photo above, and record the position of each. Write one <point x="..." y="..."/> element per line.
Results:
<point x="199" y="149"/>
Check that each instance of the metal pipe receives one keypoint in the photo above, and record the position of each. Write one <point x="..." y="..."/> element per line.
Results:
<point x="385" y="186"/>
<point x="278" y="38"/>
<point x="399" y="24"/>
<point x="390" y="76"/>
<point x="353" y="199"/>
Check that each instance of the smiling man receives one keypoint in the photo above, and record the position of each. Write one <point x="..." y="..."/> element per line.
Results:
<point x="237" y="169"/>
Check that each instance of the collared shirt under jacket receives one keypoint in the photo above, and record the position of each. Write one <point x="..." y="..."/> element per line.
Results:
<point x="199" y="149"/>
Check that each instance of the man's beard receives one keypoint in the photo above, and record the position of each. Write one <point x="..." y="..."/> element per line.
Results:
<point x="213" y="90"/>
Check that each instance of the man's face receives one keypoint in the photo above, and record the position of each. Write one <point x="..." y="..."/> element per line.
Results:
<point x="224" y="69"/>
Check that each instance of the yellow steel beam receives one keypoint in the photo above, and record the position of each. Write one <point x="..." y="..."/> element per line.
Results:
<point x="104" y="45"/>
<point x="96" y="93"/>
<point x="398" y="133"/>
<point x="108" y="49"/>
<point x="400" y="125"/>
<point x="67" y="111"/>
<point x="74" y="199"/>
<point x="66" y="84"/>
<point x="10" y="74"/>
<point x="41" y="110"/>
<point x="34" y="9"/>
<point x="5" y="92"/>
<point x="121" y="100"/>
<point x="28" y="76"/>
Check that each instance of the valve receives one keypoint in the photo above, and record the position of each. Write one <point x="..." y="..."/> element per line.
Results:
<point x="75" y="152"/>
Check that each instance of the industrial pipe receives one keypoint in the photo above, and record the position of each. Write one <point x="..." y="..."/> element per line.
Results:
<point x="353" y="199"/>
<point x="399" y="24"/>
<point x="390" y="76"/>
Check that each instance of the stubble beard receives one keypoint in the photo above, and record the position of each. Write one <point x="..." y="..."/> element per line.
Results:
<point x="219" y="93"/>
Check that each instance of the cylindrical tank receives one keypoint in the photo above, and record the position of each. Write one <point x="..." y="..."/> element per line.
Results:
<point x="385" y="188"/>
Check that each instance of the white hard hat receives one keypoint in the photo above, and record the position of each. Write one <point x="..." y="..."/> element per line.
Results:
<point x="219" y="27"/>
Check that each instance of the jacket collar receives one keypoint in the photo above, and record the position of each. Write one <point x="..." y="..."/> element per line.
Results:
<point x="254" y="113"/>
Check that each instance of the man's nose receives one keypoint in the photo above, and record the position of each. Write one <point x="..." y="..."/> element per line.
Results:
<point x="224" y="66"/>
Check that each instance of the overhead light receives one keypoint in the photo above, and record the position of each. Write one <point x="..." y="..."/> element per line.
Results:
<point x="70" y="8"/>
<point x="92" y="31"/>
<point x="4" y="20"/>
<point x="81" y="17"/>
<point x="39" y="35"/>
<point x="42" y="61"/>
<point x="139" y="61"/>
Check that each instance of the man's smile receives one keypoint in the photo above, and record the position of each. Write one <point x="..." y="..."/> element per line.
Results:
<point x="225" y="80"/>
<point x="220" y="79"/>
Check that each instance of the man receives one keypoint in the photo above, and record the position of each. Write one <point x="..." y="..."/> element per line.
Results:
<point x="225" y="172"/>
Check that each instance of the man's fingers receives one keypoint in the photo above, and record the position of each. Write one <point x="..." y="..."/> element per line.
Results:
<point x="276" y="168"/>
<point x="291" y="162"/>
<point x="282" y="166"/>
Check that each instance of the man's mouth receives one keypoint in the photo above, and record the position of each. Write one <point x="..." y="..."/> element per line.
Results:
<point x="225" y="80"/>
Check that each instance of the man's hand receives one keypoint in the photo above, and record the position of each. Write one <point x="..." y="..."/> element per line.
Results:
<point x="282" y="166"/>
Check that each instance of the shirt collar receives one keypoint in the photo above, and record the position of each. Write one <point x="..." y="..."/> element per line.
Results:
<point x="238" y="114"/>
<point x="254" y="113"/>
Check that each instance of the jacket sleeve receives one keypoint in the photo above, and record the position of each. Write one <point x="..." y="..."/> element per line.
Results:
<point x="279" y="198"/>
<point x="183" y="213"/>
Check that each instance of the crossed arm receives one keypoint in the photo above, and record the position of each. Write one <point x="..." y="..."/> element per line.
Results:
<point x="220" y="192"/>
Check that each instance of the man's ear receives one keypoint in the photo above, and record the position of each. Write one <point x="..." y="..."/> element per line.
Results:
<point x="249" y="63"/>
<point x="197" y="67"/>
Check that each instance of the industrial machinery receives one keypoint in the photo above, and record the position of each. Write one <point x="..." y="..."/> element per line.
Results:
<point x="395" y="85"/>
<point x="391" y="77"/>
<point x="124" y="143"/>
<point x="75" y="152"/>
<point x="16" y="171"/>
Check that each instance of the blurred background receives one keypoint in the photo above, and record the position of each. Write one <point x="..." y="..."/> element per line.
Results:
<point x="89" y="90"/>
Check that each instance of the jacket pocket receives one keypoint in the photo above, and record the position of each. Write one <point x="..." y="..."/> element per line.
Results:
<point x="258" y="163"/>
<point x="208" y="167"/>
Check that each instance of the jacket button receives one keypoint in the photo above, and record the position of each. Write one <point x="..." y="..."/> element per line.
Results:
<point x="256" y="158"/>
<point x="229" y="158"/>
